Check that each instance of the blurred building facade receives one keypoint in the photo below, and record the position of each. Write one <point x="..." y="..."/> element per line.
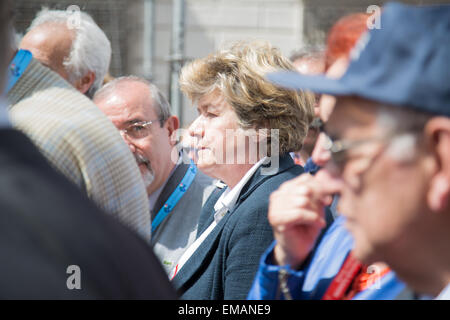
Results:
<point x="141" y="31"/>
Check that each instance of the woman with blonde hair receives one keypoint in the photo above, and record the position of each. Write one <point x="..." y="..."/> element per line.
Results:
<point x="243" y="135"/>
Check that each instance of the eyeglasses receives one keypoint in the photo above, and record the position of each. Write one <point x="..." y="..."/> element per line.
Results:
<point x="339" y="149"/>
<point x="138" y="130"/>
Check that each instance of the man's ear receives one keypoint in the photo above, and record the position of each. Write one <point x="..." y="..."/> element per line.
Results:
<point x="437" y="133"/>
<point x="172" y="124"/>
<point x="85" y="82"/>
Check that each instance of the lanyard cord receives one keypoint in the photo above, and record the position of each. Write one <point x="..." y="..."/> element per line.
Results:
<point x="18" y="67"/>
<point x="176" y="195"/>
<point x="343" y="280"/>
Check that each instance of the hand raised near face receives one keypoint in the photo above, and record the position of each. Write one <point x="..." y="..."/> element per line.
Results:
<point x="296" y="214"/>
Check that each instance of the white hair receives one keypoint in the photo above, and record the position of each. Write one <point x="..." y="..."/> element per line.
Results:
<point x="90" y="51"/>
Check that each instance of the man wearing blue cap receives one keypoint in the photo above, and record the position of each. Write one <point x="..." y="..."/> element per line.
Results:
<point x="390" y="146"/>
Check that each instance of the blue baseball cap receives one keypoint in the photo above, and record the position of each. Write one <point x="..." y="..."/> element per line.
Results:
<point x="405" y="63"/>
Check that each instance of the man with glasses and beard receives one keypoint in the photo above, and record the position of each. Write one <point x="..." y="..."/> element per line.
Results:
<point x="176" y="189"/>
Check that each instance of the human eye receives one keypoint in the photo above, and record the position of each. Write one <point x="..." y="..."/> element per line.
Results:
<point x="138" y="131"/>
<point x="207" y="111"/>
<point x="137" y="128"/>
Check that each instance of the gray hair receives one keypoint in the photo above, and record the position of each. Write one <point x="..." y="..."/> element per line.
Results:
<point x="308" y="51"/>
<point x="91" y="49"/>
<point x="160" y="102"/>
<point x="407" y="125"/>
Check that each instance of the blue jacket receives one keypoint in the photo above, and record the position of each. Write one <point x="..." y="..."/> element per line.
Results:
<point x="313" y="280"/>
<point x="224" y="265"/>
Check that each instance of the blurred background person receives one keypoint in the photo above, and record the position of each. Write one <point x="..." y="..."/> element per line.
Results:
<point x="309" y="60"/>
<point x="50" y="232"/>
<point x="76" y="137"/>
<point x="176" y="190"/>
<point x="341" y="39"/>
<point x="78" y="52"/>
<point x="235" y="104"/>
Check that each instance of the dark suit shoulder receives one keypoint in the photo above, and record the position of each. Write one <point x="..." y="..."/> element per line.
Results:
<point x="47" y="225"/>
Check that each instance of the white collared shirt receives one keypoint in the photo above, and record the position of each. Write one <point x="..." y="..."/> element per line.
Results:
<point x="228" y="199"/>
<point x="224" y="204"/>
<point x="445" y="294"/>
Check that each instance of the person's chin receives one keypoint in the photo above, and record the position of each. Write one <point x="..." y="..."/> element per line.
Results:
<point x="360" y="250"/>
<point x="207" y="165"/>
<point x="147" y="176"/>
<point x="205" y="158"/>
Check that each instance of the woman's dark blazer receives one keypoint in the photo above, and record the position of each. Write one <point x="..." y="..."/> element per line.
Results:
<point x="224" y="265"/>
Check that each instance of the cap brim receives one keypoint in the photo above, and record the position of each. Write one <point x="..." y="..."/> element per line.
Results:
<point x="318" y="84"/>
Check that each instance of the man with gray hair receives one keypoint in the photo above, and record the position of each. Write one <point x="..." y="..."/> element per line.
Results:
<point x="72" y="45"/>
<point x="310" y="59"/>
<point x="73" y="134"/>
<point x="176" y="189"/>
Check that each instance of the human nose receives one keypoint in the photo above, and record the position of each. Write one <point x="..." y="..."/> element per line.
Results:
<point x="197" y="128"/>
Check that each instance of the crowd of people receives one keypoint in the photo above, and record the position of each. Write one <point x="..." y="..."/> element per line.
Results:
<point x="323" y="176"/>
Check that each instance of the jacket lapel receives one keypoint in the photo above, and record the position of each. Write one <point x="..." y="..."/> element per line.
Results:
<point x="170" y="186"/>
<point x="284" y="163"/>
<point x="207" y="249"/>
<point x="207" y="216"/>
<point x="200" y="258"/>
